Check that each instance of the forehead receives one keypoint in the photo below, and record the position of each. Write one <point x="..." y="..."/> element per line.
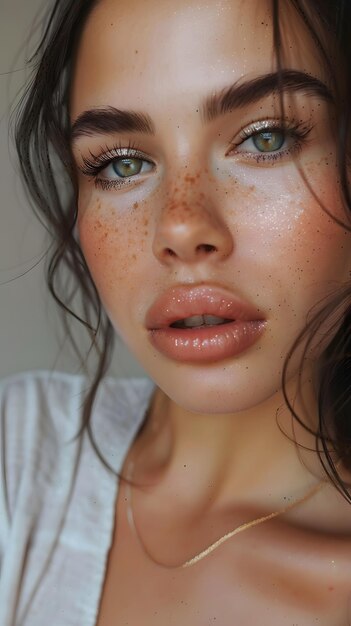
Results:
<point x="138" y="51"/>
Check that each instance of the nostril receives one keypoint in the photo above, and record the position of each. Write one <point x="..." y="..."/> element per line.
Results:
<point x="170" y="252"/>
<point x="202" y="248"/>
<point x="206" y="247"/>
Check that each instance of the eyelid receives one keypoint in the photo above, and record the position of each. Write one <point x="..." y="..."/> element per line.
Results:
<point x="295" y="130"/>
<point x="131" y="153"/>
<point x="259" y="126"/>
<point x="97" y="162"/>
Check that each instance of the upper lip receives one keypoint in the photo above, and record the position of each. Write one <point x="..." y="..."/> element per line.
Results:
<point x="185" y="301"/>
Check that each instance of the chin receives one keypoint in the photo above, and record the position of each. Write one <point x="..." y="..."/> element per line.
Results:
<point x="224" y="389"/>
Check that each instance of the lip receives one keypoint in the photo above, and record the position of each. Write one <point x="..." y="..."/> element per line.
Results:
<point x="209" y="343"/>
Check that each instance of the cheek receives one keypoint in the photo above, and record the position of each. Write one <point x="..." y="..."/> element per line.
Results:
<point x="283" y="227"/>
<point x="321" y="245"/>
<point x="112" y="244"/>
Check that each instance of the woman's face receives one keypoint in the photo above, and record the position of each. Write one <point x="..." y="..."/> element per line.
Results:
<point x="196" y="205"/>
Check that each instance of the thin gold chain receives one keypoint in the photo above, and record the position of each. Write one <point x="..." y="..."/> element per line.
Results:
<point x="198" y="557"/>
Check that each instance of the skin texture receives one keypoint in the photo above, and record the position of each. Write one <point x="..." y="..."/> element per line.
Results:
<point x="212" y="429"/>
<point x="275" y="244"/>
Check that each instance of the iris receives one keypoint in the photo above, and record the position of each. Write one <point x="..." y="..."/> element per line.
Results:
<point x="127" y="167"/>
<point x="268" y="141"/>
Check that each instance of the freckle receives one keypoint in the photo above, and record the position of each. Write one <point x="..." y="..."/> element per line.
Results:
<point x="189" y="179"/>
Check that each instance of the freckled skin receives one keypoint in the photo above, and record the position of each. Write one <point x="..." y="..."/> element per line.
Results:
<point x="275" y="225"/>
<point x="208" y="213"/>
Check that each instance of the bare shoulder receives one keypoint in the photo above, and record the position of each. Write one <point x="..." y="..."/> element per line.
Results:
<point x="309" y="557"/>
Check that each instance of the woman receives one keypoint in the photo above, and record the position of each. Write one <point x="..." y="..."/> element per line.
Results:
<point x="206" y="207"/>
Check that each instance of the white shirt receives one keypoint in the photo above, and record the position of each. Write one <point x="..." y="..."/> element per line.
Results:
<point x="57" y="500"/>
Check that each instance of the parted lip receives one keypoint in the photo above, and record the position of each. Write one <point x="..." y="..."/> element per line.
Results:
<point x="185" y="301"/>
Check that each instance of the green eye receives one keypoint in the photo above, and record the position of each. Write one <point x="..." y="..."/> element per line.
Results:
<point x="269" y="141"/>
<point x="127" y="167"/>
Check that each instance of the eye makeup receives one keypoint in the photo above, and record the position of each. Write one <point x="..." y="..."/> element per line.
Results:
<point x="261" y="142"/>
<point x="254" y="138"/>
<point x="94" y="165"/>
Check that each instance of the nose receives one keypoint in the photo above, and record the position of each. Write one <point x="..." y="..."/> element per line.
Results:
<point x="191" y="229"/>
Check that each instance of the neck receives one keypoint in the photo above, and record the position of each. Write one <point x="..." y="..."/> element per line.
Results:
<point x="251" y="454"/>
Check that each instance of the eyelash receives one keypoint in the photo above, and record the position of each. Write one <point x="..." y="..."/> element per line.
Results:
<point x="296" y="130"/>
<point x="96" y="163"/>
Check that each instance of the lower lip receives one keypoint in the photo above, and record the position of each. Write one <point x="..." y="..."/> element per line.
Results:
<point x="207" y="344"/>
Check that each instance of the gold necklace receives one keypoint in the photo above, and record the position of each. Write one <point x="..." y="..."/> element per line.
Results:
<point x="198" y="557"/>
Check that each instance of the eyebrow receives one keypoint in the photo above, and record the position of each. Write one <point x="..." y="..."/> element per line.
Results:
<point x="240" y="95"/>
<point x="107" y="120"/>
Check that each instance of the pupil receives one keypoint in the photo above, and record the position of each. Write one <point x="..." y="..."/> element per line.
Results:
<point x="269" y="141"/>
<point x="127" y="167"/>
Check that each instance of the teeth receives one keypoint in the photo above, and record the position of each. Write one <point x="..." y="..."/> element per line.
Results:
<point x="190" y="322"/>
<point x="200" y="320"/>
<point x="212" y="320"/>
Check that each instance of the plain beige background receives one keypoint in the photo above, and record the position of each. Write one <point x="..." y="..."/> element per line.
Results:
<point x="30" y="331"/>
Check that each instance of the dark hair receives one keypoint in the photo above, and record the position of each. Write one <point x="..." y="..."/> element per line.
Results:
<point x="43" y="145"/>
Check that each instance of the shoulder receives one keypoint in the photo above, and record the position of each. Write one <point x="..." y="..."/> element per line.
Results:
<point x="41" y="416"/>
<point x="30" y="390"/>
<point x="55" y="493"/>
<point x="31" y="401"/>
<point x="38" y="404"/>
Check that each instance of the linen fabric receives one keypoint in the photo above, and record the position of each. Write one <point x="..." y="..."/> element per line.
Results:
<point x="57" y="500"/>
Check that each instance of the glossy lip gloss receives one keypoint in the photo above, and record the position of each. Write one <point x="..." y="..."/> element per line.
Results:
<point x="203" y="344"/>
